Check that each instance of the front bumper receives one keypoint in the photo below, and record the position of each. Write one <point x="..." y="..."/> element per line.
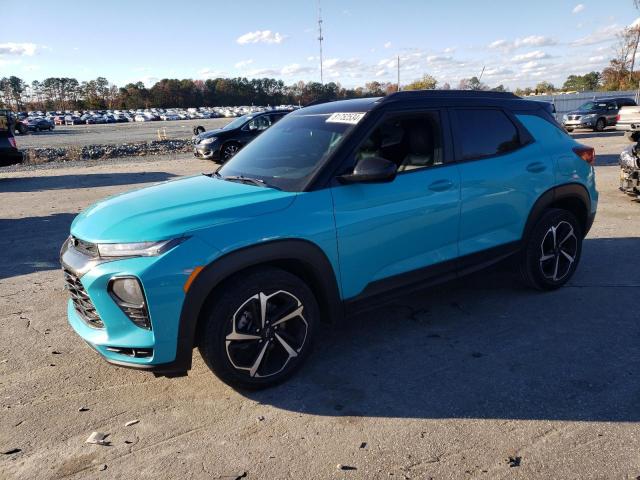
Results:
<point x="579" y="123"/>
<point x="119" y="341"/>
<point x="209" y="151"/>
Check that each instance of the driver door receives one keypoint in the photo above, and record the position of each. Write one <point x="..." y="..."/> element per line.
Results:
<point x="393" y="234"/>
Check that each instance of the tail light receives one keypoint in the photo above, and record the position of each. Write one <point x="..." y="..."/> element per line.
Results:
<point x="588" y="154"/>
<point x="12" y="142"/>
<point x="618" y="118"/>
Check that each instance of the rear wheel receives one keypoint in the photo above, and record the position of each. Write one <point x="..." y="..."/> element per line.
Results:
<point x="600" y="124"/>
<point x="552" y="251"/>
<point x="259" y="329"/>
<point x="569" y="129"/>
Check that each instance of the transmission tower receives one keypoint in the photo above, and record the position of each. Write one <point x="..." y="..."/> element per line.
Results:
<point x="320" y="39"/>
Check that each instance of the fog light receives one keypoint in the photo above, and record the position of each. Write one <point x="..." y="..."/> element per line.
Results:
<point x="127" y="293"/>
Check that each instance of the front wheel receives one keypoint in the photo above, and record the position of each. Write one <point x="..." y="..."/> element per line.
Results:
<point x="228" y="150"/>
<point x="552" y="251"/>
<point x="569" y="129"/>
<point x="259" y="329"/>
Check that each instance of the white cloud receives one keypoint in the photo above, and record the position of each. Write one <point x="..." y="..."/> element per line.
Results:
<point x="261" y="36"/>
<point x="578" y="8"/>
<point x="296" y="69"/>
<point x="387" y="45"/>
<point x="243" y="63"/>
<point x="502" y="43"/>
<point x="19" y="49"/>
<point x="601" y="35"/>
<point x="535" y="55"/>
<point x="535" y="41"/>
<point x="210" y="73"/>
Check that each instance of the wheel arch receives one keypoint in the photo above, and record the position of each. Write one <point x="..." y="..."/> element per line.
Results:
<point x="572" y="197"/>
<point x="299" y="257"/>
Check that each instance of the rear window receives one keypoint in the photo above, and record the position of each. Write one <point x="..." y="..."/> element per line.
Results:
<point x="485" y="133"/>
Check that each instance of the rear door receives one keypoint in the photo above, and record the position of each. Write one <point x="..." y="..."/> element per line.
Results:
<point x="503" y="172"/>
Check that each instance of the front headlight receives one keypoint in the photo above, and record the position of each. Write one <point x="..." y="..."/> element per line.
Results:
<point x="565" y="118"/>
<point x="208" y="141"/>
<point x="139" y="249"/>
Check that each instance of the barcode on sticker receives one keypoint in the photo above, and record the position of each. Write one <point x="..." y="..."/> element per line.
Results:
<point x="345" y="117"/>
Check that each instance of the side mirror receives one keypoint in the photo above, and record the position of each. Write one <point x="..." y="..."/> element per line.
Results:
<point x="371" y="170"/>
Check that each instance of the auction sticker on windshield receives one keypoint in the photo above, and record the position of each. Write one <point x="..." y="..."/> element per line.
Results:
<point x="346" y="117"/>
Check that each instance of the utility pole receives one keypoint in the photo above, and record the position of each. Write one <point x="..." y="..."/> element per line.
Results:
<point x="398" y="87"/>
<point x="320" y="39"/>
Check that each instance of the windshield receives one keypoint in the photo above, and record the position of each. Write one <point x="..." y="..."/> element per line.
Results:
<point x="238" y="122"/>
<point x="286" y="155"/>
<point x="593" y="106"/>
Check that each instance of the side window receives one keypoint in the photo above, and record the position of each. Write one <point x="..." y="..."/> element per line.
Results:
<point x="411" y="142"/>
<point x="612" y="106"/>
<point x="260" y="123"/>
<point x="276" y="117"/>
<point x="485" y="133"/>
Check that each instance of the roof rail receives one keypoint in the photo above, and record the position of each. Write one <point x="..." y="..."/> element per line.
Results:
<point x="418" y="94"/>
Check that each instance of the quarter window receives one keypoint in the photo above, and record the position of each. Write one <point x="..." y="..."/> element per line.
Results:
<point x="485" y="133"/>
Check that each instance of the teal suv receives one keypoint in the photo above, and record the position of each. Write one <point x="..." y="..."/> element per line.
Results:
<point x="336" y="208"/>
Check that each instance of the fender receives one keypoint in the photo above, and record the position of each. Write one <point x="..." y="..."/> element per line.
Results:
<point x="314" y="261"/>
<point x="554" y="195"/>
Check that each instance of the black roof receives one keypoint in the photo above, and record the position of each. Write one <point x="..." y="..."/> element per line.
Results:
<point x="433" y="97"/>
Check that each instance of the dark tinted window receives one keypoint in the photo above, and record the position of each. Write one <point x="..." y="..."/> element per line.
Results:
<point x="483" y="133"/>
<point x="276" y="116"/>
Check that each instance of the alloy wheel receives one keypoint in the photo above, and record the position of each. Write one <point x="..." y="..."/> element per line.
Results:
<point x="266" y="333"/>
<point x="559" y="249"/>
<point x="229" y="151"/>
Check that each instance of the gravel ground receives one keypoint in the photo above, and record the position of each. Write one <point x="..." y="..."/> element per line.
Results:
<point x="115" y="133"/>
<point x="479" y="378"/>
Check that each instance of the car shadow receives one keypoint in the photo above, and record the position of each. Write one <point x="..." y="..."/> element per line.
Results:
<point x="607" y="159"/>
<point x="62" y="182"/>
<point x="485" y="347"/>
<point x="32" y="244"/>
<point x="592" y="134"/>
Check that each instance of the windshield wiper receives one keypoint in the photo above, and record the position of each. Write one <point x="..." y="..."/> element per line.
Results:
<point x="242" y="179"/>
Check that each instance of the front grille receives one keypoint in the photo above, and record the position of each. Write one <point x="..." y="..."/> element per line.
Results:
<point x="81" y="300"/>
<point x="574" y="117"/>
<point x="88" y="248"/>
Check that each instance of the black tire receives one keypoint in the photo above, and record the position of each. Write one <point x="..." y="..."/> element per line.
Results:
<point x="228" y="150"/>
<point x="198" y="130"/>
<point x="545" y="263"/>
<point x="600" y="125"/>
<point x="569" y="129"/>
<point x="263" y="360"/>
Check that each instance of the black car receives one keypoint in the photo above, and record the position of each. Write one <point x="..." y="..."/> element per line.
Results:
<point x="596" y="115"/>
<point x="39" y="124"/>
<point x="9" y="153"/>
<point x="223" y="143"/>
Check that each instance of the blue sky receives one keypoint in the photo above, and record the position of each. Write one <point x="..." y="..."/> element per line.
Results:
<point x="519" y="43"/>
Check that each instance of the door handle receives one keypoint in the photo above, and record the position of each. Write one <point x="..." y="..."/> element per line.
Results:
<point x="441" y="185"/>
<point x="536" y="167"/>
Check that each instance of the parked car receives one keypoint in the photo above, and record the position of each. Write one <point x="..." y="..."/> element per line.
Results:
<point x="628" y="120"/>
<point x="73" y="120"/>
<point x="244" y="263"/>
<point x="9" y="153"/>
<point x="223" y="143"/>
<point x="630" y="169"/>
<point x="596" y="115"/>
<point x="39" y="124"/>
<point x="59" y="120"/>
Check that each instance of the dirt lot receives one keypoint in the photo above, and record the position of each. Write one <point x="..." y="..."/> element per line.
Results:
<point x="65" y="136"/>
<point x="479" y="378"/>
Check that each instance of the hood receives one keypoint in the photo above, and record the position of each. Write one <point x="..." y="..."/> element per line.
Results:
<point x="174" y="208"/>
<point x="208" y="134"/>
